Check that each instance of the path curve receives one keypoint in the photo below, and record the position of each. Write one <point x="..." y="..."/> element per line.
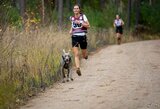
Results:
<point x="123" y="76"/>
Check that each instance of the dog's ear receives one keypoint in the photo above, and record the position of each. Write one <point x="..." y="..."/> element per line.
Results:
<point x="64" y="51"/>
<point x="69" y="51"/>
<point x="63" y="57"/>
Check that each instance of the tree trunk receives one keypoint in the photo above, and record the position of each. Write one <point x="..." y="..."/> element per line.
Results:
<point x="56" y="4"/>
<point x="117" y="2"/>
<point x="68" y="5"/>
<point x="13" y="3"/>
<point x="43" y="11"/>
<point x="60" y="14"/>
<point x="129" y="15"/>
<point x="150" y="2"/>
<point x="102" y="4"/>
<point x="22" y="6"/>
<point x="78" y="2"/>
<point x="137" y="12"/>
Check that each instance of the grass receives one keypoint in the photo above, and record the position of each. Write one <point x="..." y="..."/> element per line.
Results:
<point x="30" y="61"/>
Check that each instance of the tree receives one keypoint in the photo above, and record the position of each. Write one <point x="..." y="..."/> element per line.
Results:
<point x="60" y="14"/>
<point x="56" y="4"/>
<point x="68" y="5"/>
<point x="13" y="2"/>
<point x="150" y="2"/>
<point x="78" y="2"/>
<point x="117" y="2"/>
<point x="102" y="4"/>
<point x="22" y="6"/>
<point x="43" y="11"/>
<point x="129" y="15"/>
<point x="137" y="12"/>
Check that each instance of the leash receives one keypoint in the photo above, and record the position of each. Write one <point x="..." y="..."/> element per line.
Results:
<point x="76" y="44"/>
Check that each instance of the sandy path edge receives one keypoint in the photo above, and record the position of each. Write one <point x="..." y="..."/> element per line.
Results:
<point x="117" y="77"/>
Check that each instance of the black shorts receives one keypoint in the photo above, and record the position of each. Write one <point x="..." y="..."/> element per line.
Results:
<point x="79" y="41"/>
<point x="119" y="29"/>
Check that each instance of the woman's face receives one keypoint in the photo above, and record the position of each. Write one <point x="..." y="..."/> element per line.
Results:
<point x="76" y="9"/>
<point x="117" y="16"/>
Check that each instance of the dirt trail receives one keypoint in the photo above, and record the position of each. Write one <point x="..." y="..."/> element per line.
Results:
<point x="117" y="77"/>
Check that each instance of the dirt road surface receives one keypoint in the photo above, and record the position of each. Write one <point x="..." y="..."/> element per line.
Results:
<point x="123" y="76"/>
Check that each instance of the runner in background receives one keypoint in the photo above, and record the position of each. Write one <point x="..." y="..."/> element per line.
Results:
<point x="118" y="24"/>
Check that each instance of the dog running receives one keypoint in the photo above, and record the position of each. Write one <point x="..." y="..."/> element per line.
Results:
<point x="66" y="66"/>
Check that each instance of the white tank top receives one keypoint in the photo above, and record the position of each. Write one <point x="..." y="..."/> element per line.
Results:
<point x="118" y="22"/>
<point x="78" y="29"/>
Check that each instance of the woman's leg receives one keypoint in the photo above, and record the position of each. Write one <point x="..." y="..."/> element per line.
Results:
<point x="84" y="53"/>
<point x="83" y="46"/>
<point x="77" y="60"/>
<point x="76" y="57"/>
<point x="118" y="37"/>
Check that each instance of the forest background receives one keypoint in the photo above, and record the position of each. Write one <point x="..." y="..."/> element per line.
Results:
<point x="34" y="32"/>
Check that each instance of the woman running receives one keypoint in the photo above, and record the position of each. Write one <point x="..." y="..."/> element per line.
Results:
<point x="118" y="24"/>
<point x="78" y="30"/>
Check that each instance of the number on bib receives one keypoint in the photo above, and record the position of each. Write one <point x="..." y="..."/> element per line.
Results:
<point x="76" y="25"/>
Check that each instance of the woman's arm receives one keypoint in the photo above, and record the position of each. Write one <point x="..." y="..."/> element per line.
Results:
<point x="86" y="24"/>
<point x="114" y="23"/>
<point x="122" y="22"/>
<point x="70" y="32"/>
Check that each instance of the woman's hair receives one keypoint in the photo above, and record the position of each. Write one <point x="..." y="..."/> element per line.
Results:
<point x="118" y="15"/>
<point x="79" y="7"/>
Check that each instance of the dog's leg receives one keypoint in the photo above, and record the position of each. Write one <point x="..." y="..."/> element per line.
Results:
<point x="68" y="75"/>
<point x="63" y="75"/>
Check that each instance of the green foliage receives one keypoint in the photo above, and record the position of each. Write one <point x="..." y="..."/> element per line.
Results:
<point x="14" y="17"/>
<point x="151" y="16"/>
<point x="33" y="5"/>
<point x="7" y="95"/>
<point x="10" y="15"/>
<point x="95" y="4"/>
<point x="110" y="12"/>
<point x="98" y="18"/>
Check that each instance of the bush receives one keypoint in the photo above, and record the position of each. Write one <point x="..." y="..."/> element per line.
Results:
<point x="10" y="15"/>
<point x="102" y="19"/>
<point x="151" y="16"/>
